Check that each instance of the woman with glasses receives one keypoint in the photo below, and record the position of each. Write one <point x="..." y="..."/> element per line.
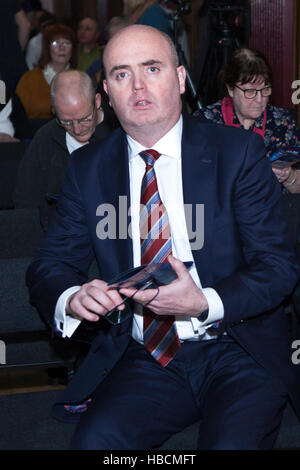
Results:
<point x="58" y="54"/>
<point x="248" y="80"/>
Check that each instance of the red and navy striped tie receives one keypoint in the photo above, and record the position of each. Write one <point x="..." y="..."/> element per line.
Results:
<point x="160" y="333"/>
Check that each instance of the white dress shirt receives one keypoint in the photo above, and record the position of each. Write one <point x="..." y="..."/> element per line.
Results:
<point x="72" y="144"/>
<point x="169" y="181"/>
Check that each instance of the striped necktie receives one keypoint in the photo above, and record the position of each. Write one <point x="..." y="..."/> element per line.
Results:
<point x="160" y="333"/>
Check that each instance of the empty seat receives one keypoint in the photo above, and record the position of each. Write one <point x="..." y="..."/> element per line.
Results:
<point x="11" y="154"/>
<point x="20" y="232"/>
<point x="29" y="342"/>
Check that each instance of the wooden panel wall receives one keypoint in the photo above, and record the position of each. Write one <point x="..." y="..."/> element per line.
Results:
<point x="273" y="32"/>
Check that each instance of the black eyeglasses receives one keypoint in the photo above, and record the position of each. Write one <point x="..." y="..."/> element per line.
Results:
<point x="251" y="93"/>
<point x="116" y="316"/>
<point x="85" y="121"/>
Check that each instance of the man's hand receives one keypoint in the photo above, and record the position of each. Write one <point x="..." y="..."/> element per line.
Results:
<point x="93" y="300"/>
<point x="283" y="174"/>
<point x="7" y="138"/>
<point x="180" y="297"/>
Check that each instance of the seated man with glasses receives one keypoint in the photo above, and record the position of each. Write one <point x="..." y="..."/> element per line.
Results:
<point x="248" y="79"/>
<point x="80" y="119"/>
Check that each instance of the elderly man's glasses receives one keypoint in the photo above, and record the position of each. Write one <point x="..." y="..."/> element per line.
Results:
<point x="85" y="121"/>
<point x="251" y="93"/>
<point x="61" y="43"/>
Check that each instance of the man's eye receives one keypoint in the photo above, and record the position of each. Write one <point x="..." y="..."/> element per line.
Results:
<point x="121" y="75"/>
<point x="153" y="69"/>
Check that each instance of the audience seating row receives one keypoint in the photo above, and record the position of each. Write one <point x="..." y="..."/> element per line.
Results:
<point x="29" y="341"/>
<point x="11" y="154"/>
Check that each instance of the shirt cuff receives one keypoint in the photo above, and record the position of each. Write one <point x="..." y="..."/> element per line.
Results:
<point x="215" y="309"/>
<point x="64" y="323"/>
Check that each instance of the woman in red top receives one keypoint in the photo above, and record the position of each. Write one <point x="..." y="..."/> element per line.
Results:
<point x="248" y="79"/>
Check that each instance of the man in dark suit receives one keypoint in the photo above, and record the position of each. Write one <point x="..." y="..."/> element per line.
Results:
<point x="231" y="366"/>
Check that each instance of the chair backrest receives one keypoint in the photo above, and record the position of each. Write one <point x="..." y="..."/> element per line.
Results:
<point x="20" y="232"/>
<point x="28" y="341"/>
<point x="17" y="315"/>
<point x="11" y="154"/>
<point x="36" y="123"/>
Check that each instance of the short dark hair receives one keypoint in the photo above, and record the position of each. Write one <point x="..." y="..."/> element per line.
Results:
<point x="53" y="32"/>
<point x="245" y="66"/>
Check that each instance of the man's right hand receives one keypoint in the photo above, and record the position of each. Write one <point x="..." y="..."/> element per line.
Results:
<point x="94" y="299"/>
<point x="7" y="138"/>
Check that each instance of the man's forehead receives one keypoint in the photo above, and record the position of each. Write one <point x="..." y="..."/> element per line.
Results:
<point x="140" y="46"/>
<point x="74" y="105"/>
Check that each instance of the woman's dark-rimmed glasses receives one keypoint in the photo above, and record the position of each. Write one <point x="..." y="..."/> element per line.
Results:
<point x="251" y="93"/>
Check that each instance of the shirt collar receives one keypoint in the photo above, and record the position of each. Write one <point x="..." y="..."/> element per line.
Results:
<point x="169" y="144"/>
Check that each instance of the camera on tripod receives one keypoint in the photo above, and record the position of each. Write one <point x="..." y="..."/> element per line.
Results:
<point x="229" y="29"/>
<point x="227" y="19"/>
<point x="183" y="7"/>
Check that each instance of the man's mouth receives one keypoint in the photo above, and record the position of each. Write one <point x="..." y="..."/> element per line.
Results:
<point x="141" y="103"/>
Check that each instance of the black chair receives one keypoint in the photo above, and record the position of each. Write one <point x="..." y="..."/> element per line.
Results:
<point x="20" y="232"/>
<point x="36" y="123"/>
<point x="11" y="154"/>
<point x="28" y="340"/>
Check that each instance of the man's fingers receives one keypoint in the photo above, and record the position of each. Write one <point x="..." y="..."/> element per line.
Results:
<point x="93" y="300"/>
<point x="178" y="266"/>
<point x="140" y="296"/>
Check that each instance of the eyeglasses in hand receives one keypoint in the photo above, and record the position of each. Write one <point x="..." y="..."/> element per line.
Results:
<point x="116" y="316"/>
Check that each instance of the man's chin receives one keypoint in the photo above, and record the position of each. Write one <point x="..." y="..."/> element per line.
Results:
<point x="82" y="139"/>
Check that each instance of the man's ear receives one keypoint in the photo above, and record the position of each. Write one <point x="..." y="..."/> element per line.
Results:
<point x="105" y="86"/>
<point x="181" y="78"/>
<point x="105" y="89"/>
<point x="98" y="100"/>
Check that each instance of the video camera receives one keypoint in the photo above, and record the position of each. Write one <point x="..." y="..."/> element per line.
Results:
<point x="183" y="6"/>
<point x="227" y="16"/>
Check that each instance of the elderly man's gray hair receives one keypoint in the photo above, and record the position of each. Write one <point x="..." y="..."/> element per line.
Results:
<point x="72" y="82"/>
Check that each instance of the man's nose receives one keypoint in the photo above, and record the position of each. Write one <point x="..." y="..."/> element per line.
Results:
<point x="76" y="127"/>
<point x="138" y="83"/>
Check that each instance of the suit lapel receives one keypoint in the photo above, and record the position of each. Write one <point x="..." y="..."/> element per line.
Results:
<point x="198" y="174"/>
<point x="114" y="184"/>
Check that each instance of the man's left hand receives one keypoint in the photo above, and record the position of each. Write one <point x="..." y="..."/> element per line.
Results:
<point x="180" y="297"/>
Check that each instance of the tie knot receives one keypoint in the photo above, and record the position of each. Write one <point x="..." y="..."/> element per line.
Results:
<point x="150" y="156"/>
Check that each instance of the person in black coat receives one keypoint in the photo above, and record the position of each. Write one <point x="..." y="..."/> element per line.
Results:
<point x="80" y="119"/>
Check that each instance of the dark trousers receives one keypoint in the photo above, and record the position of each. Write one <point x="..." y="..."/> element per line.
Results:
<point x="140" y="404"/>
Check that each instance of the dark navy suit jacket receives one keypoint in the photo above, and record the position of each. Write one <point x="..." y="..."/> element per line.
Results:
<point x="246" y="256"/>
